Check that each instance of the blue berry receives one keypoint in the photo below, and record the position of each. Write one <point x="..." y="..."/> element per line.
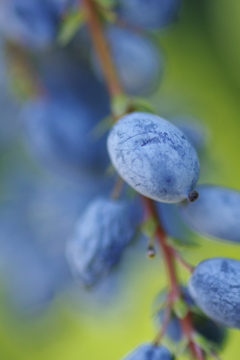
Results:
<point x="32" y="24"/>
<point x="192" y="129"/>
<point x="31" y="276"/>
<point x="59" y="133"/>
<point x="101" y="235"/>
<point x="59" y="127"/>
<point x="173" y="330"/>
<point x="215" y="214"/>
<point x="31" y="280"/>
<point x="63" y="72"/>
<point x="55" y="206"/>
<point x="215" y="287"/>
<point x="138" y="62"/>
<point x="149" y="14"/>
<point x="153" y="157"/>
<point x="149" y="352"/>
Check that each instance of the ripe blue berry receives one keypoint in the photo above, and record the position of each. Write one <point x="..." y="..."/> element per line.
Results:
<point x="149" y="352"/>
<point x="138" y="62"/>
<point x="215" y="287"/>
<point x="192" y="129"/>
<point x="32" y="277"/>
<point x="153" y="157"/>
<point x="31" y="24"/>
<point x="216" y="213"/>
<point x="59" y="127"/>
<point x="149" y="13"/>
<point x="101" y="236"/>
<point x="59" y="134"/>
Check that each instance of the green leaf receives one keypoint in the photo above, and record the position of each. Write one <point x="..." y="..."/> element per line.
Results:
<point x="181" y="347"/>
<point x="106" y="10"/>
<point x="149" y="226"/>
<point x="180" y="243"/>
<point x="108" y="4"/>
<point x="196" y="310"/>
<point x="69" y="26"/>
<point x="180" y="308"/>
<point x="102" y="126"/>
<point x="119" y="105"/>
<point x="141" y="104"/>
<point x="159" y="302"/>
<point x="203" y="343"/>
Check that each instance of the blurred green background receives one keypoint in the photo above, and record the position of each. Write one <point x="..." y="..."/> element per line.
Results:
<point x="202" y="78"/>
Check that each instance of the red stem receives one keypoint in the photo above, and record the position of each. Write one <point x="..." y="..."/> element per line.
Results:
<point x="186" y="323"/>
<point x="115" y="88"/>
<point x="161" y="237"/>
<point x="101" y="47"/>
<point x="183" y="262"/>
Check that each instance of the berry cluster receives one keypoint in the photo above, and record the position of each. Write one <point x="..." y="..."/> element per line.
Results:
<point x="81" y="69"/>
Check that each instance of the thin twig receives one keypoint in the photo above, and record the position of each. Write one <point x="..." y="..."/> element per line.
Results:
<point x="182" y="261"/>
<point x="117" y="188"/>
<point x="101" y="47"/>
<point x="115" y="88"/>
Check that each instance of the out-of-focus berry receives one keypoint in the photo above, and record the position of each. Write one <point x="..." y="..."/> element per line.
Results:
<point x="32" y="24"/>
<point x="215" y="214"/>
<point x="149" y="352"/>
<point x="101" y="235"/>
<point x="138" y="63"/>
<point x="149" y="14"/>
<point x="215" y="287"/>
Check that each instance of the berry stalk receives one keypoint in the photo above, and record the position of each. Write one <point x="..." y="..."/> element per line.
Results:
<point x="101" y="47"/>
<point x="114" y="89"/>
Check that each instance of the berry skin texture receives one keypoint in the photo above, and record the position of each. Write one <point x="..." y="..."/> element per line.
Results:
<point x="153" y="157"/>
<point x="137" y="61"/>
<point x="149" y="352"/>
<point x="216" y="213"/>
<point x="194" y="130"/>
<point x="102" y="233"/>
<point x="149" y="14"/>
<point x="215" y="287"/>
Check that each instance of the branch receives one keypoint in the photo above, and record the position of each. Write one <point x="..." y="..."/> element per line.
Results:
<point x="115" y="88"/>
<point x="101" y="47"/>
<point x="161" y="237"/>
<point x="182" y="261"/>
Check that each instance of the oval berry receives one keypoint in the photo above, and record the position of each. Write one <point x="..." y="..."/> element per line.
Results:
<point x="154" y="157"/>
<point x="102" y="234"/>
<point x="216" y="213"/>
<point x="149" y="351"/>
<point x="215" y="287"/>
